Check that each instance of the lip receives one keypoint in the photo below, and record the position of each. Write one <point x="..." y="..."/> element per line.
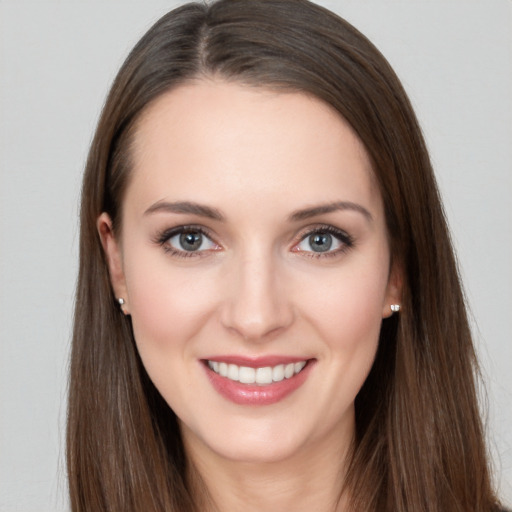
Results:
<point x="253" y="394"/>
<point x="257" y="362"/>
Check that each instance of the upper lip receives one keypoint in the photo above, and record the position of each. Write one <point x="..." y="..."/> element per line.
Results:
<point x="257" y="362"/>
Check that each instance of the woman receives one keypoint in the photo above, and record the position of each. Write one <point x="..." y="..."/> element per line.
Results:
<point x="269" y="314"/>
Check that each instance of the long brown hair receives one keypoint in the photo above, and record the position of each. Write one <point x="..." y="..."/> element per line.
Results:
<point x="419" y="441"/>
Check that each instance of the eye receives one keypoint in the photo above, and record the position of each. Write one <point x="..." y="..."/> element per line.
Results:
<point x="191" y="241"/>
<point x="324" y="241"/>
<point x="186" y="241"/>
<point x="318" y="242"/>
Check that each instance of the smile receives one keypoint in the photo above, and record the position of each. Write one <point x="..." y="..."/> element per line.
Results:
<point x="263" y="376"/>
<point x="264" y="381"/>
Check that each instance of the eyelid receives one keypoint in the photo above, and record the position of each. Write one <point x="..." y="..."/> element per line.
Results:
<point x="346" y="240"/>
<point x="164" y="236"/>
<point x="342" y="236"/>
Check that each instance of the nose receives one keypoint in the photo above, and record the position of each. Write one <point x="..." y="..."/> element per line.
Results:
<point x="257" y="304"/>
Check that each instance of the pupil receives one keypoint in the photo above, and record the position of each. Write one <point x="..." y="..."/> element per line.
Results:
<point x="320" y="242"/>
<point x="191" y="241"/>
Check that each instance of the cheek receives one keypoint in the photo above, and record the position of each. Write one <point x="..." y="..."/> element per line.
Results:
<point x="347" y="316"/>
<point x="348" y="302"/>
<point x="168" y="305"/>
<point x="352" y="337"/>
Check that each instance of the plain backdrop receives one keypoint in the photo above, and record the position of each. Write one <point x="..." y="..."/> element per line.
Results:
<point x="57" y="60"/>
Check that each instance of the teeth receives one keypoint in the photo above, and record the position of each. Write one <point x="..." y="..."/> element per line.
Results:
<point x="247" y="375"/>
<point x="233" y="372"/>
<point x="278" y="373"/>
<point x="264" y="375"/>
<point x="298" y="366"/>
<point x="289" y="370"/>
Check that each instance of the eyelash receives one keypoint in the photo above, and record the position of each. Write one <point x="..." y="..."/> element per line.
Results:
<point x="164" y="237"/>
<point x="344" y="238"/>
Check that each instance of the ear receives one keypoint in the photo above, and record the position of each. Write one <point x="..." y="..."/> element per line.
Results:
<point x="393" y="290"/>
<point x="114" y="258"/>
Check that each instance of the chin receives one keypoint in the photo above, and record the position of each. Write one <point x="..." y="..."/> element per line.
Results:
<point x="260" y="442"/>
<point x="257" y="451"/>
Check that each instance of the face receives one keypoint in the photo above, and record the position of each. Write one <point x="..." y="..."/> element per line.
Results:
<point x="255" y="266"/>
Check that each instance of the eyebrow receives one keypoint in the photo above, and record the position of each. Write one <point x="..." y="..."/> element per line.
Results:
<point x="185" y="207"/>
<point x="322" y="209"/>
<point x="212" y="213"/>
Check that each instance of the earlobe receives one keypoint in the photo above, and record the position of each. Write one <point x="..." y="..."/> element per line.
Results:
<point x="393" y="300"/>
<point x="114" y="259"/>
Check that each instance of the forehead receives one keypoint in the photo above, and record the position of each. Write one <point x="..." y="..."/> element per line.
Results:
<point x="219" y="140"/>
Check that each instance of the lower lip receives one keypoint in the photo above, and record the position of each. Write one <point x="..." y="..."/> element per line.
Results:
<point x="251" y="394"/>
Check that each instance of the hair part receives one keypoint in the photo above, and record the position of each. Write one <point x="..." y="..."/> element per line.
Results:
<point x="419" y="440"/>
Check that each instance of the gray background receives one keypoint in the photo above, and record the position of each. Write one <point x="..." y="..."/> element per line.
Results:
<point x="57" y="59"/>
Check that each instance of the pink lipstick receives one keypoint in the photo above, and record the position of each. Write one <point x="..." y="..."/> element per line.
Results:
<point x="257" y="381"/>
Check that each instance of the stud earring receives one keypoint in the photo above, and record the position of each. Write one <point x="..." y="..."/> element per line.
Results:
<point x="395" y="308"/>
<point x="122" y="303"/>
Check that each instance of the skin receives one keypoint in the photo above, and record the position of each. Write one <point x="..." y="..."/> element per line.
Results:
<point x="256" y="287"/>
